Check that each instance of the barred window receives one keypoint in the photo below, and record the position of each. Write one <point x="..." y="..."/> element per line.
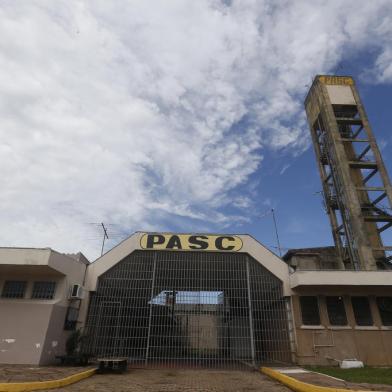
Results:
<point x="43" y="290"/>
<point x="384" y="305"/>
<point x="310" y="310"/>
<point x="336" y="311"/>
<point x="362" y="312"/>
<point x="14" y="289"/>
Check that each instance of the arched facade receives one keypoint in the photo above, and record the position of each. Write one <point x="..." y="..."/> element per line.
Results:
<point x="212" y="308"/>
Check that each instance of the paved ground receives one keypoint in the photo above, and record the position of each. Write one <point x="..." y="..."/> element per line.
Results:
<point x="178" y="380"/>
<point x="18" y="373"/>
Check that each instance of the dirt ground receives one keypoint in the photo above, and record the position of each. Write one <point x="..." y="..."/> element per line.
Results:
<point x="178" y="380"/>
<point x="19" y="373"/>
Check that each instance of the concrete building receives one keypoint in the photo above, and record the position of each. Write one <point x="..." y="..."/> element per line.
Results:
<point x="36" y="311"/>
<point x="232" y="304"/>
<point x="339" y="314"/>
<point x="341" y="296"/>
<point x="228" y="304"/>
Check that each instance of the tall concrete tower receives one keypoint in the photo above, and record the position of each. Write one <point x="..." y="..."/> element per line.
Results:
<point x="356" y="187"/>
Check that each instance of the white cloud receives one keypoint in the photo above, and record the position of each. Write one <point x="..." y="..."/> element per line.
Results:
<point x="283" y="169"/>
<point x="383" y="69"/>
<point x="132" y="111"/>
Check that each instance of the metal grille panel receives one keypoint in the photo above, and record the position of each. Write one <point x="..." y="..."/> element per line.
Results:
<point x="198" y="308"/>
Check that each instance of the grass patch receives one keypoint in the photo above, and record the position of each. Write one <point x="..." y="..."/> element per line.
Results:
<point x="369" y="375"/>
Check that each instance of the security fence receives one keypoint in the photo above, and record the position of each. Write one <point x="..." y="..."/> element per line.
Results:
<point x="175" y="308"/>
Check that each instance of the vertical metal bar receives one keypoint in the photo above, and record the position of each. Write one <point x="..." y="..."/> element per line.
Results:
<point x="118" y="325"/>
<point x="150" y="315"/>
<point x="250" y="312"/>
<point x="291" y="327"/>
<point x="97" y="329"/>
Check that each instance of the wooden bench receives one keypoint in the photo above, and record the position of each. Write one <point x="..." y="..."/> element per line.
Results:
<point x="117" y="364"/>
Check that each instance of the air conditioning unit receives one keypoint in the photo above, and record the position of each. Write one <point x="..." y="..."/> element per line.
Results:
<point x="76" y="291"/>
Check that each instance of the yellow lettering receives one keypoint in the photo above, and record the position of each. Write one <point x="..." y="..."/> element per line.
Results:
<point x="189" y="242"/>
<point x="340" y="80"/>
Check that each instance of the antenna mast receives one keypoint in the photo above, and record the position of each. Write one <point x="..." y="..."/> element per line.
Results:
<point x="105" y="235"/>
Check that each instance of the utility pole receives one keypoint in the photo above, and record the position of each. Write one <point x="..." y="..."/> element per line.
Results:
<point x="105" y="235"/>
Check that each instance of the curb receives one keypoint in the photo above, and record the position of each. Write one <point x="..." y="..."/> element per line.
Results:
<point x="300" y="386"/>
<point x="37" y="385"/>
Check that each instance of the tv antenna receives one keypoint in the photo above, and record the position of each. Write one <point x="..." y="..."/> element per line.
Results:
<point x="272" y="212"/>
<point x="276" y="232"/>
<point x="105" y="236"/>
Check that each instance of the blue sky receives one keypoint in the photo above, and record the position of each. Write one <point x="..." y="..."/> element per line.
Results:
<point x="175" y="115"/>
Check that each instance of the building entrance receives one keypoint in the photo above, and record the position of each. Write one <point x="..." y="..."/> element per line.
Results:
<point x="199" y="308"/>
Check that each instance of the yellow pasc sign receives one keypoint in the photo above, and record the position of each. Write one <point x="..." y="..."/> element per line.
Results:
<point x="203" y="242"/>
<point x="339" y="80"/>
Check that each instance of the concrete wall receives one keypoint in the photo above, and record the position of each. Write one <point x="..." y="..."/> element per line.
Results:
<point x="325" y="258"/>
<point x="22" y="331"/>
<point x="24" y="256"/>
<point x="56" y="336"/>
<point x="32" y="330"/>
<point x="320" y="345"/>
<point x="201" y="330"/>
<point x="24" y="322"/>
<point x="260" y="253"/>
<point x="346" y="278"/>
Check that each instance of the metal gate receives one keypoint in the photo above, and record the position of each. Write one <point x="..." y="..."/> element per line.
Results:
<point x="195" y="308"/>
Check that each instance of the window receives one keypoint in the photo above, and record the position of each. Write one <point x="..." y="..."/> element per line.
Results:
<point x="14" y="289"/>
<point x="310" y="310"/>
<point x="384" y="305"/>
<point x="71" y="319"/>
<point x="362" y="312"/>
<point x="43" y="290"/>
<point x="336" y="311"/>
